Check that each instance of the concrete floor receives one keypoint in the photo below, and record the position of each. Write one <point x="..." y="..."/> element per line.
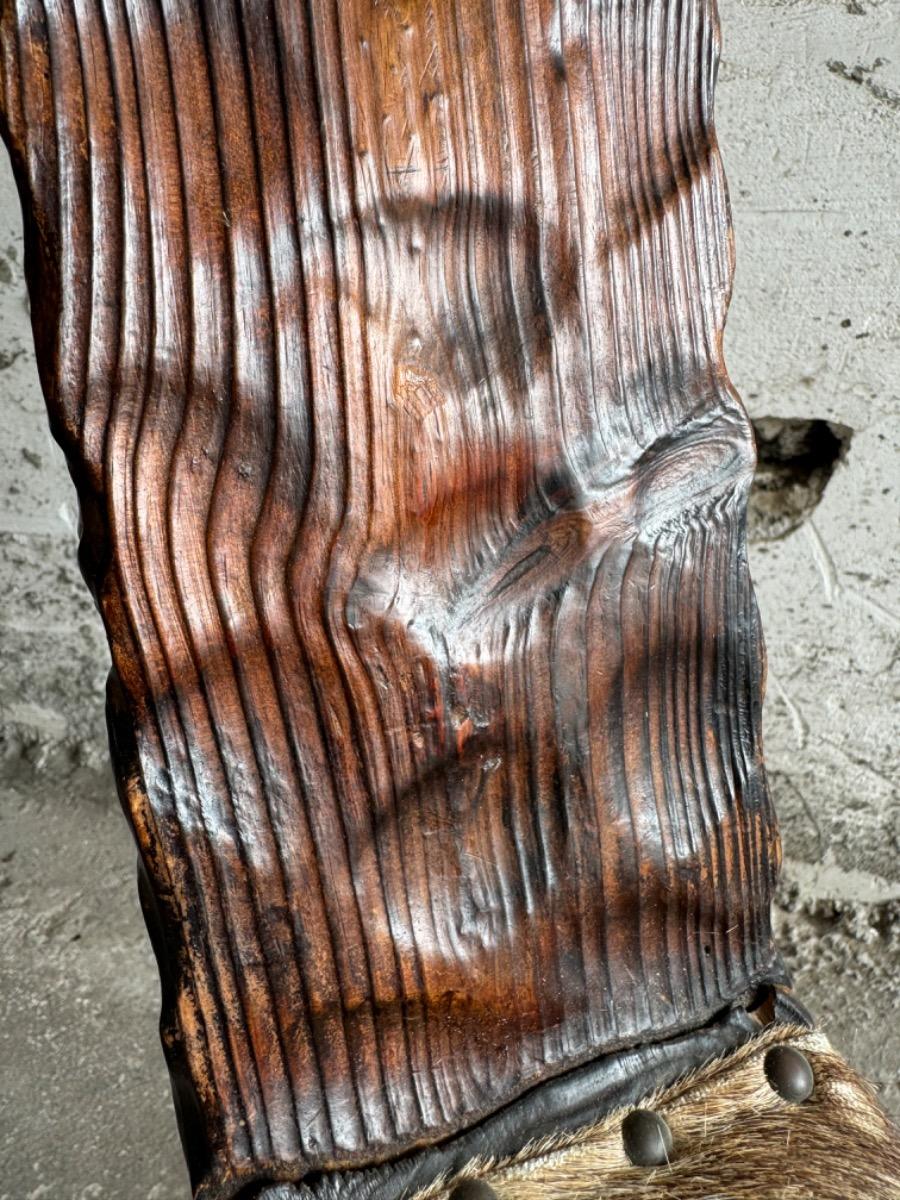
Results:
<point x="809" y="117"/>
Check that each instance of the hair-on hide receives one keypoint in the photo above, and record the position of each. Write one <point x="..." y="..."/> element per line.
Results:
<point x="734" y="1139"/>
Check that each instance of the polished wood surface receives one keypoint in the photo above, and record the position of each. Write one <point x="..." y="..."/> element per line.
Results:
<point x="384" y="341"/>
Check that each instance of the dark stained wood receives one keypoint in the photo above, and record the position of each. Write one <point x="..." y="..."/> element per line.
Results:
<point x="384" y="341"/>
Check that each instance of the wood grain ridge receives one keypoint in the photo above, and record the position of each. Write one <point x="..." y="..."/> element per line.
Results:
<point x="383" y="338"/>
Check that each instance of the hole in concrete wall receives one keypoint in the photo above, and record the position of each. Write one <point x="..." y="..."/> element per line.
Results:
<point x="796" y="459"/>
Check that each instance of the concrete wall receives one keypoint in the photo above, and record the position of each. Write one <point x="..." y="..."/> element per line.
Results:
<point x="809" y="118"/>
<point x="809" y="122"/>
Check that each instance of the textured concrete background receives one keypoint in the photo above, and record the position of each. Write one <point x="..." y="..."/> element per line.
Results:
<point x="809" y="117"/>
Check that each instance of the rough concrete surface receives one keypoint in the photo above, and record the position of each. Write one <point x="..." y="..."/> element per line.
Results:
<point x="809" y="118"/>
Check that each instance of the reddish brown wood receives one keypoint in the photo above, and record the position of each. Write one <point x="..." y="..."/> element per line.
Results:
<point x="384" y="342"/>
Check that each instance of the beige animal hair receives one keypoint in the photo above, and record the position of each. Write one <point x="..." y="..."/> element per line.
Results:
<point x="735" y="1139"/>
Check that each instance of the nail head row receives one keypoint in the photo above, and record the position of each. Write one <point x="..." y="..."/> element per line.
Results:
<point x="646" y="1136"/>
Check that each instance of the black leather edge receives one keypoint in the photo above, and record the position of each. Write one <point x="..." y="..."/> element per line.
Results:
<point x="569" y="1102"/>
<point x="789" y="1010"/>
<point x="580" y="1097"/>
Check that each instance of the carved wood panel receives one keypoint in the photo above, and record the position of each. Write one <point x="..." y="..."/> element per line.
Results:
<point x="384" y="341"/>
